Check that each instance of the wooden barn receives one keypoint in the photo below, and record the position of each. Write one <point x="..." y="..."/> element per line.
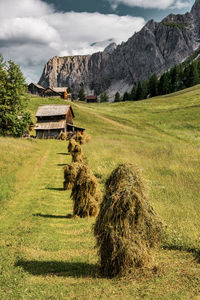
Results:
<point x="49" y="92"/>
<point x="52" y="120"/>
<point x="35" y="89"/>
<point x="61" y="92"/>
<point x="91" y="99"/>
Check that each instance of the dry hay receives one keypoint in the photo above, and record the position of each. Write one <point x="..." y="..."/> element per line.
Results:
<point x="77" y="154"/>
<point x="85" y="193"/>
<point x="82" y="138"/>
<point x="127" y="225"/>
<point x="70" y="174"/>
<point x="76" y="151"/>
<point x="63" y="136"/>
<point x="71" y="145"/>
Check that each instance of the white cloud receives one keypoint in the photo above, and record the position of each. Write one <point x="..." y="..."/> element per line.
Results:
<point x="156" y="4"/>
<point x="27" y="29"/>
<point x="180" y="5"/>
<point x="32" y="32"/>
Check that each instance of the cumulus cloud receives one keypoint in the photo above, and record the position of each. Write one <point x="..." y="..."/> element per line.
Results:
<point x="32" y="32"/>
<point x="157" y="4"/>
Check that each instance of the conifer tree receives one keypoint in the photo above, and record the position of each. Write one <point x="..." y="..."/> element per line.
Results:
<point x="144" y="89"/>
<point x="13" y="100"/>
<point x="126" y="96"/>
<point x="180" y="84"/>
<point x="193" y="73"/>
<point x="104" y="97"/>
<point x="139" y="93"/>
<point x="174" y="78"/>
<point x="164" y="84"/>
<point x="153" y="85"/>
<point x="81" y="94"/>
<point x="133" y="92"/>
<point x="117" y="97"/>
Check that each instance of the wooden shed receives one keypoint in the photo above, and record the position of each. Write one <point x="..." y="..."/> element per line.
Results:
<point x="35" y="89"/>
<point x="61" y="92"/>
<point x="91" y="99"/>
<point x="49" y="92"/>
<point x="52" y="120"/>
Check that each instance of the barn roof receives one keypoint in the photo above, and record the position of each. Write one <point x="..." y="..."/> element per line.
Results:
<point x="51" y="125"/>
<point x="51" y="90"/>
<point x="59" y="89"/>
<point x="53" y="110"/>
<point x="37" y="85"/>
<point x="76" y="127"/>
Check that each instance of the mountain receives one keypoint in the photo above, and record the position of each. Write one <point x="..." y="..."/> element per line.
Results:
<point x="156" y="48"/>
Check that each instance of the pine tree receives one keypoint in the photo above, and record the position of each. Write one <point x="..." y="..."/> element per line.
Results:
<point x="139" y="93"/>
<point x="133" y="92"/>
<point x="164" y="84"/>
<point x="180" y="84"/>
<point x="186" y="79"/>
<point x="193" y="74"/>
<point x="174" y="78"/>
<point x="153" y="85"/>
<point x="126" y="97"/>
<point x="144" y="89"/>
<point x="13" y="100"/>
<point x="81" y="94"/>
<point x="117" y="97"/>
<point x="104" y="97"/>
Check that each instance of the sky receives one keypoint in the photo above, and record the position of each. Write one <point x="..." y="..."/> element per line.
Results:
<point x="33" y="31"/>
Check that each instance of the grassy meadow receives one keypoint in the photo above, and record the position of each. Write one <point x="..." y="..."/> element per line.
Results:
<point x="44" y="255"/>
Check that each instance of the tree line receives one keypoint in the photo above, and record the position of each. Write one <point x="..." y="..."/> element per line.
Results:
<point x="177" y="78"/>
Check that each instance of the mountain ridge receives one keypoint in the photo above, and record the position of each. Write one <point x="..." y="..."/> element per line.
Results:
<point x="157" y="47"/>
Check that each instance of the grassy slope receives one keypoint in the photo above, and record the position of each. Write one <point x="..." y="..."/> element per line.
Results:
<point x="46" y="256"/>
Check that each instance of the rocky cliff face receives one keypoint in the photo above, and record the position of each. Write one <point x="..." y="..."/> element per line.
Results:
<point x="156" y="48"/>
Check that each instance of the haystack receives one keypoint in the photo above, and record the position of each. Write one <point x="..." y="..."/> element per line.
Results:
<point x="71" y="145"/>
<point x="63" y="136"/>
<point x="127" y="226"/>
<point x="77" y="154"/>
<point x="70" y="174"/>
<point x="82" y="138"/>
<point x="85" y="193"/>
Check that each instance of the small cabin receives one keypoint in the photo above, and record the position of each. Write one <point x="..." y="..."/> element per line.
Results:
<point x="52" y="120"/>
<point x="91" y="99"/>
<point x="61" y="92"/>
<point x="35" y="89"/>
<point x="49" y="92"/>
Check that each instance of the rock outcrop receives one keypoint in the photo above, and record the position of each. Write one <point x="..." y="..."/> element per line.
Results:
<point x="156" y="48"/>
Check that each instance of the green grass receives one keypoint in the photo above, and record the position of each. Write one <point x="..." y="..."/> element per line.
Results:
<point x="44" y="255"/>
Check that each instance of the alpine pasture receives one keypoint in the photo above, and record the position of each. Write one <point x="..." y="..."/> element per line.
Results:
<point x="45" y="255"/>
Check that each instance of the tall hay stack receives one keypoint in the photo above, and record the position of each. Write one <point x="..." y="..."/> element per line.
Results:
<point x="85" y="193"/>
<point x="70" y="174"/>
<point x="127" y="225"/>
<point x="71" y="145"/>
<point x="82" y="138"/>
<point x="77" y="154"/>
<point x="63" y="136"/>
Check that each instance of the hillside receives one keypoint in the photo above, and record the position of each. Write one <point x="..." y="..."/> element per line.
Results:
<point x="44" y="255"/>
<point x="156" y="48"/>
